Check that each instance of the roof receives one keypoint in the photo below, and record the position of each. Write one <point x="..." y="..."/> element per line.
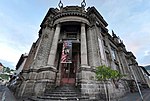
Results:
<point x="74" y="10"/>
<point x="23" y="56"/>
<point x="143" y="68"/>
<point x="93" y="10"/>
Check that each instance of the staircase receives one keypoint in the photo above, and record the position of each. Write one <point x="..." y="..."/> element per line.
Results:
<point x="62" y="93"/>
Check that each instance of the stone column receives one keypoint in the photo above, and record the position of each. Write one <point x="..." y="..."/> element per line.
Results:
<point x="83" y="46"/>
<point x="52" y="55"/>
<point x="93" y="47"/>
<point x="86" y="76"/>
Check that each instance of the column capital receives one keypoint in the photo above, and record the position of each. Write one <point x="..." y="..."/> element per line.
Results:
<point x="58" y="24"/>
<point x="53" y="51"/>
<point x="82" y="24"/>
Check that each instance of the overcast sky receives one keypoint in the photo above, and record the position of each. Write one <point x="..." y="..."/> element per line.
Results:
<point x="20" y="21"/>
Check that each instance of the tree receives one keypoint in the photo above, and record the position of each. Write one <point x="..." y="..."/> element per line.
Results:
<point x="6" y="73"/>
<point x="104" y="73"/>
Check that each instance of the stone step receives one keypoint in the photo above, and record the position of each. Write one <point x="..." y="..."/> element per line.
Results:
<point x="62" y="95"/>
<point x="73" y="92"/>
<point x="37" y="99"/>
<point x="62" y="98"/>
<point x="48" y="98"/>
<point x="64" y="90"/>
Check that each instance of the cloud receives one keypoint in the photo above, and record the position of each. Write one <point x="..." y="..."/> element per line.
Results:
<point x="20" y="23"/>
<point x="73" y="2"/>
<point x="139" y="38"/>
<point x="129" y="19"/>
<point x="16" y="37"/>
<point x="147" y="53"/>
<point x="138" y="42"/>
<point x="145" y="59"/>
<point x="8" y="53"/>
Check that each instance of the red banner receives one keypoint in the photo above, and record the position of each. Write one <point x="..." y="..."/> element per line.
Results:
<point x="66" y="56"/>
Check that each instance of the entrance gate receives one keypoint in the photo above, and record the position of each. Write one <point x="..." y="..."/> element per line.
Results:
<point x="68" y="70"/>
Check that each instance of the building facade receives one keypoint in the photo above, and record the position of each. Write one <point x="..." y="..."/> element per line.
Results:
<point x="72" y="42"/>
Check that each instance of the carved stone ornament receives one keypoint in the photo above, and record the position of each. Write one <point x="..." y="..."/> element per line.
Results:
<point x="49" y="21"/>
<point x="92" y="19"/>
<point x="45" y="36"/>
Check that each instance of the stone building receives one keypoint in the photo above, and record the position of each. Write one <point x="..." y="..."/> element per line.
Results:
<point x="15" y="78"/>
<point x="72" y="42"/>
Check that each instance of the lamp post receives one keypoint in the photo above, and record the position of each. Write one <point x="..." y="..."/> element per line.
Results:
<point x="136" y="82"/>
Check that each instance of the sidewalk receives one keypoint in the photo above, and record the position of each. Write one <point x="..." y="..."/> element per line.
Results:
<point x="136" y="96"/>
<point x="6" y="94"/>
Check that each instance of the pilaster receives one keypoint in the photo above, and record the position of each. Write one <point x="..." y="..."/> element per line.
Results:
<point x="124" y="62"/>
<point x="42" y="52"/>
<point x="86" y="75"/>
<point x="92" y="40"/>
<point x="84" y="61"/>
<point x="101" y="45"/>
<point x="91" y="49"/>
<point x="52" y="54"/>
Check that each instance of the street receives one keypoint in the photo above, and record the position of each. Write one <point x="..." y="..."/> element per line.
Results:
<point x="136" y="96"/>
<point x="7" y="95"/>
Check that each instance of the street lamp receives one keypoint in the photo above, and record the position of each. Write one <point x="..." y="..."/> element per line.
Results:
<point x="136" y="81"/>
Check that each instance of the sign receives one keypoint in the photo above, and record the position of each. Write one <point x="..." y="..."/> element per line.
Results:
<point x="66" y="56"/>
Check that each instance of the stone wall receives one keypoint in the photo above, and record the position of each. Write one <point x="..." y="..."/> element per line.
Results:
<point x="96" y="89"/>
<point x="86" y="82"/>
<point x="44" y="48"/>
<point x="114" y="93"/>
<point x="37" y="82"/>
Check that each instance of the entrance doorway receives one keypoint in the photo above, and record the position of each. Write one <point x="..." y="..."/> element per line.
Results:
<point x="69" y="70"/>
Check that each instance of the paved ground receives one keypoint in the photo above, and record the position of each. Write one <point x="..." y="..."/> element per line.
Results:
<point x="136" y="96"/>
<point x="7" y="95"/>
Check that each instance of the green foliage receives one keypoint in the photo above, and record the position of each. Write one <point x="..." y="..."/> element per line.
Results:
<point x="4" y="76"/>
<point x="7" y="69"/>
<point x="102" y="72"/>
<point x="105" y="73"/>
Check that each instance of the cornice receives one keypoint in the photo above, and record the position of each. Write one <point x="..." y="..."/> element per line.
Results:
<point x="59" y="15"/>
<point x="91" y="10"/>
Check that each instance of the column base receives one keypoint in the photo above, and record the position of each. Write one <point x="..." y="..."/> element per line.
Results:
<point x="87" y="82"/>
<point x="84" y="68"/>
<point x="38" y="81"/>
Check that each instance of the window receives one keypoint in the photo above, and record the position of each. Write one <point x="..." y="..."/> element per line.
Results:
<point x="104" y="43"/>
<point x="113" y="53"/>
<point x="101" y="49"/>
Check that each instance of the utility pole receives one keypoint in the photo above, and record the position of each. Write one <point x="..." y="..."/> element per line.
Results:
<point x="136" y="81"/>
